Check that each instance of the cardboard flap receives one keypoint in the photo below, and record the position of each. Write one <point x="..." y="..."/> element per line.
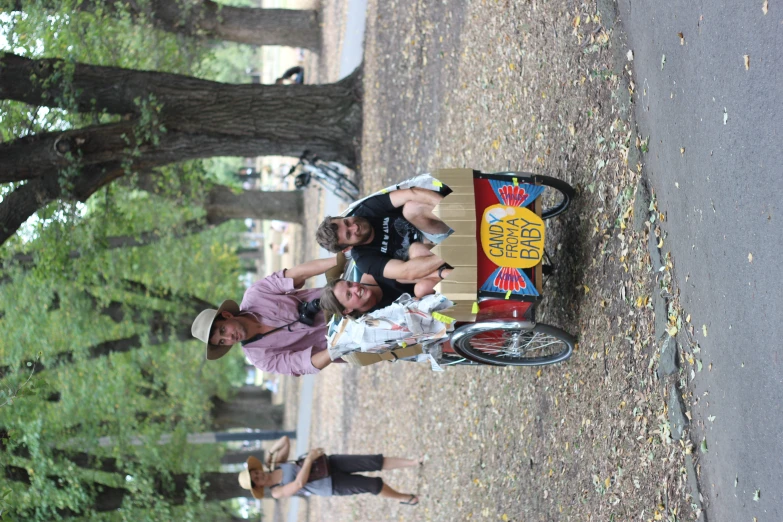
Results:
<point x="458" y="210"/>
<point x="455" y="178"/>
<point x="366" y="359"/>
<point x="462" y="311"/>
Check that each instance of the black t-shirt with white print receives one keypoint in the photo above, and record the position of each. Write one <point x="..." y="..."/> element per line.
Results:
<point x="393" y="235"/>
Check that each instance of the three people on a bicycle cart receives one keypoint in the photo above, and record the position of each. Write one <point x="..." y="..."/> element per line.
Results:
<point x="401" y="241"/>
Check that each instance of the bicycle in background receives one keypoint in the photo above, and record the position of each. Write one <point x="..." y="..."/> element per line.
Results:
<point x="331" y="175"/>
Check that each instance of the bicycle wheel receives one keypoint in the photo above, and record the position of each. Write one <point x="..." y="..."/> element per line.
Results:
<point x="555" y="200"/>
<point x="302" y="180"/>
<point x="345" y="196"/>
<point x="349" y="187"/>
<point x="327" y="182"/>
<point x="341" y="180"/>
<point x="513" y="343"/>
<point x="453" y="359"/>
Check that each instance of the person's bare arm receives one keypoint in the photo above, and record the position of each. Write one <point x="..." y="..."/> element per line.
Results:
<point x="413" y="269"/>
<point x="321" y="359"/>
<point x="301" y="478"/>
<point x="312" y="268"/>
<point x="279" y="451"/>
<point x="419" y="195"/>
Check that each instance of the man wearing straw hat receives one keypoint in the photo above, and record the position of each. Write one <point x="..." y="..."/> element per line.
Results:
<point x="279" y="334"/>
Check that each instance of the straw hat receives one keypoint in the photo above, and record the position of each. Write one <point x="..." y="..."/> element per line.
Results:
<point x="203" y="324"/>
<point x="244" y="477"/>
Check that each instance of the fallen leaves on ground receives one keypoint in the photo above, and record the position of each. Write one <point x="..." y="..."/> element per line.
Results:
<point x="584" y="440"/>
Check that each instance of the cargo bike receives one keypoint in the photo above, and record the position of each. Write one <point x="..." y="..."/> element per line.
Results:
<point x="497" y="251"/>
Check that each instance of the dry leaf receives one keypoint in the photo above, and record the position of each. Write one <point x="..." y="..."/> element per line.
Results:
<point x="682" y="38"/>
<point x="747" y="61"/>
<point x="764" y="7"/>
<point x="704" y="330"/>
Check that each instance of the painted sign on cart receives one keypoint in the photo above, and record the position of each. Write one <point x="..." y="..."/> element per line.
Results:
<point x="512" y="237"/>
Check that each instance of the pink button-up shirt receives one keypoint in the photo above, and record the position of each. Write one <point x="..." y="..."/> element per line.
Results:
<point x="273" y="301"/>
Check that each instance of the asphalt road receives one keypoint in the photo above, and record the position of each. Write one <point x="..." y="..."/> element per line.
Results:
<point x="715" y="162"/>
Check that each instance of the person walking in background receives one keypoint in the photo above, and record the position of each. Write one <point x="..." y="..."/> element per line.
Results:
<point x="293" y="76"/>
<point x="334" y="475"/>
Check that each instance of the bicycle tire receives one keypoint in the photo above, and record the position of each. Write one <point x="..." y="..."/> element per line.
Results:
<point x="566" y="191"/>
<point x="328" y="183"/>
<point x="457" y="360"/>
<point x="353" y="188"/>
<point x="488" y="343"/>
<point x="341" y="193"/>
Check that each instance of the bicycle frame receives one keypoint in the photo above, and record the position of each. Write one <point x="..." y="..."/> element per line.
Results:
<point x="327" y="174"/>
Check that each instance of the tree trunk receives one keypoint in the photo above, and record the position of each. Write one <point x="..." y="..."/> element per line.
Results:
<point x="245" y="254"/>
<point x="250" y="408"/>
<point x="230" y="120"/>
<point x="209" y="20"/>
<point x="148" y="237"/>
<point x="222" y="204"/>
<point x="189" y="118"/>
<point x="79" y="458"/>
<point x="286" y="27"/>
<point x="158" y="334"/>
<point x="240" y="457"/>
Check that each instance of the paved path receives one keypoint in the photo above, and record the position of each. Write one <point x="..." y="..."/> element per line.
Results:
<point x="715" y="162"/>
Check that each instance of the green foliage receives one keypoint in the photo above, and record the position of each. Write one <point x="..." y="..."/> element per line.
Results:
<point x="57" y="302"/>
<point x="147" y="392"/>
<point x="233" y="60"/>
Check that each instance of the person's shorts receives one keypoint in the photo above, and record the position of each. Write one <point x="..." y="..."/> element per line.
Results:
<point x="343" y="469"/>
<point x="437" y="238"/>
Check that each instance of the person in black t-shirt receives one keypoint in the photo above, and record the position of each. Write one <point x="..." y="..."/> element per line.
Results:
<point x="390" y="235"/>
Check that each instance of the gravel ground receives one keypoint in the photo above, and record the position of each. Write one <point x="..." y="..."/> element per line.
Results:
<point x="538" y="86"/>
